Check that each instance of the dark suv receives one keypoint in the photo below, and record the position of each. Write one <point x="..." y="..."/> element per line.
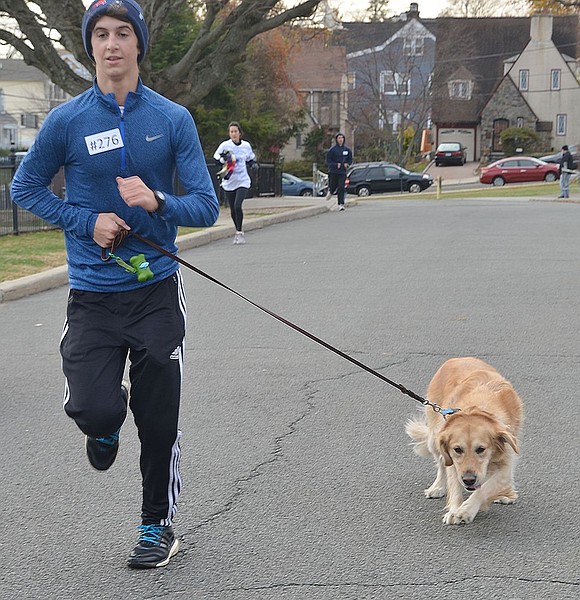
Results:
<point x="450" y="153"/>
<point x="365" y="179"/>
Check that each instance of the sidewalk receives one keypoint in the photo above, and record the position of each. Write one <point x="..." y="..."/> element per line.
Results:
<point x="258" y="213"/>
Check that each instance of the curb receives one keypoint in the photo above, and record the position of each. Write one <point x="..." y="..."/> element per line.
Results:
<point x="57" y="277"/>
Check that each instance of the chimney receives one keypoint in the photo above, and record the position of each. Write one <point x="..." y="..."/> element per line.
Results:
<point x="541" y="28"/>
<point x="413" y="12"/>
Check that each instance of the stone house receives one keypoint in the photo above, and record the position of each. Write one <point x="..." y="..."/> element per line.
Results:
<point x="539" y="90"/>
<point x="473" y="93"/>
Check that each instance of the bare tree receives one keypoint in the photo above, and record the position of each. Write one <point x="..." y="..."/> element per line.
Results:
<point x="225" y="29"/>
<point x="485" y="8"/>
<point x="390" y="101"/>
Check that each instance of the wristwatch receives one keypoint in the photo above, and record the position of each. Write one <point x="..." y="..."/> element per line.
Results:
<point x="160" y="197"/>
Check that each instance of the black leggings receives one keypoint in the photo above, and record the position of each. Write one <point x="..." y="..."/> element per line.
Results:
<point x="235" y="199"/>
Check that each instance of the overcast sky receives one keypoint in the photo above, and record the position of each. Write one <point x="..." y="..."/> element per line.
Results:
<point x="428" y="9"/>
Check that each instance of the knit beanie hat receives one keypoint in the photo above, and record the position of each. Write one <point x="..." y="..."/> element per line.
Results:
<point x="132" y="11"/>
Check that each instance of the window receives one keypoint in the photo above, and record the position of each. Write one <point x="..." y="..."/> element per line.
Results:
<point x="394" y="84"/>
<point x="413" y="46"/>
<point x="555" y="75"/>
<point x="351" y="80"/>
<point x="561" y="122"/>
<point x="2" y="102"/>
<point x="519" y="121"/>
<point x="524" y="80"/>
<point x="460" y="89"/>
<point x="298" y="141"/>
<point x="29" y="120"/>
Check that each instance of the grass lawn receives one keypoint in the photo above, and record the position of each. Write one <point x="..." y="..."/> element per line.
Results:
<point x="30" y="253"/>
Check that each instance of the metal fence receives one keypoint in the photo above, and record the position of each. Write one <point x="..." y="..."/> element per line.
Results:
<point x="15" y="220"/>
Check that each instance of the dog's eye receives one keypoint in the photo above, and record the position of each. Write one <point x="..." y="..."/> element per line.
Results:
<point x="458" y="450"/>
<point x="479" y="450"/>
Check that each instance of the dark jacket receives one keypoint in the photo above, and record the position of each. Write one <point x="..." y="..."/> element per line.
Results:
<point x="567" y="162"/>
<point x="338" y="158"/>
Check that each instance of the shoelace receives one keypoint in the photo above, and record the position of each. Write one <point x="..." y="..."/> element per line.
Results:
<point x="150" y="533"/>
<point x="110" y="440"/>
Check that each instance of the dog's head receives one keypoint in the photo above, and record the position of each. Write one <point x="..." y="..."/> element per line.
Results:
<point x="472" y="439"/>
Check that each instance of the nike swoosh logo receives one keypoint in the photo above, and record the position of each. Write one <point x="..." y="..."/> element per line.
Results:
<point x="152" y="138"/>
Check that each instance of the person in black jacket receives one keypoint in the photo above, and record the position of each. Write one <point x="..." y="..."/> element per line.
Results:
<point x="338" y="160"/>
<point x="566" y="170"/>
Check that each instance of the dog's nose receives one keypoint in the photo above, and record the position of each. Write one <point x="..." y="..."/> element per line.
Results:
<point x="469" y="480"/>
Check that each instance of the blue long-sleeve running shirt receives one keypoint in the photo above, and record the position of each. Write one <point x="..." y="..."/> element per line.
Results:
<point x="96" y="142"/>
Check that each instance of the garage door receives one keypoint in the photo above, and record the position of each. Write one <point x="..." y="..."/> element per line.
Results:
<point x="463" y="136"/>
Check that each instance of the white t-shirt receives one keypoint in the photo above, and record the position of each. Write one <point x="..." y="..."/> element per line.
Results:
<point x="243" y="153"/>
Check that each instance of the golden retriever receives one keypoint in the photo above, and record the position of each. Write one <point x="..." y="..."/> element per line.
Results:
<point x="474" y="449"/>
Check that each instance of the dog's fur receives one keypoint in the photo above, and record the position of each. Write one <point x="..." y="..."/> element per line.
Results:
<point x="474" y="449"/>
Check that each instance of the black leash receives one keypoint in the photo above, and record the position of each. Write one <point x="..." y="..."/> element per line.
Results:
<point x="354" y="361"/>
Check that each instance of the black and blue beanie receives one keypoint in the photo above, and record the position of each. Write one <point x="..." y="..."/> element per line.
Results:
<point x="129" y="9"/>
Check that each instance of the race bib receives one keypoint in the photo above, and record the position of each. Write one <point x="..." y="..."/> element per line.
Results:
<point x="104" y="141"/>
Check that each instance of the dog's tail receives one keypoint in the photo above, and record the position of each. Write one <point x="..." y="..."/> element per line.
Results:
<point x="417" y="430"/>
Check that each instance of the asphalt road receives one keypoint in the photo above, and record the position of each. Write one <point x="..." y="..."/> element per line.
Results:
<point x="299" y="480"/>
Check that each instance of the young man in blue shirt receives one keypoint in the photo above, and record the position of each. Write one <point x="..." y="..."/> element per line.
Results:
<point x="120" y="144"/>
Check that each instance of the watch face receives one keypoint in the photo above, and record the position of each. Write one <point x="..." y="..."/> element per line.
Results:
<point x="160" y="196"/>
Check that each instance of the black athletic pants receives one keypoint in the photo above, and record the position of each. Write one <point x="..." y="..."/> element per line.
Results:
<point x="235" y="199"/>
<point x="148" y="326"/>
<point x="336" y="182"/>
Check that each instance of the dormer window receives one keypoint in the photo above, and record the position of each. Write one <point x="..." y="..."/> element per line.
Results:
<point x="460" y="89"/>
<point x="413" y="46"/>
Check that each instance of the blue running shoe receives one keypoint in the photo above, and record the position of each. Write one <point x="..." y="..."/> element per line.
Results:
<point x="102" y="451"/>
<point x="157" y="544"/>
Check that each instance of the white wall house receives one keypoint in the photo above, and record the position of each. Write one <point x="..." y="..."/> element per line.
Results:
<point x="548" y="81"/>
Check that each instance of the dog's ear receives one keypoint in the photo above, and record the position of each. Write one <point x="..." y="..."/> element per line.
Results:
<point x="443" y="443"/>
<point x="503" y="438"/>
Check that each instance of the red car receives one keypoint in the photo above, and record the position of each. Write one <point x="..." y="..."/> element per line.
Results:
<point x="518" y="169"/>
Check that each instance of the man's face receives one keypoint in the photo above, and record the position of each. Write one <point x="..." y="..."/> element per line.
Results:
<point x="340" y="139"/>
<point x="115" y="47"/>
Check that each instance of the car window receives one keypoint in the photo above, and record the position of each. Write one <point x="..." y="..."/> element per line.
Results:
<point x="392" y="172"/>
<point x="376" y="173"/>
<point x="523" y="162"/>
<point x="449" y="147"/>
<point x="508" y="164"/>
<point x="356" y="174"/>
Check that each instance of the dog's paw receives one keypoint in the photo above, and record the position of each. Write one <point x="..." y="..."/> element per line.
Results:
<point x="434" y="492"/>
<point x="460" y="516"/>
<point x="506" y="499"/>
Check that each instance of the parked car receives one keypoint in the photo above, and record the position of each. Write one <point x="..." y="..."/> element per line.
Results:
<point x="517" y="169"/>
<point x="450" y="153"/>
<point x="555" y="158"/>
<point x="294" y="186"/>
<point x="365" y="179"/>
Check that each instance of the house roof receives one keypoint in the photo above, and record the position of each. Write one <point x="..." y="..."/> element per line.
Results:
<point x="359" y="36"/>
<point x="317" y="66"/>
<point x="480" y="47"/>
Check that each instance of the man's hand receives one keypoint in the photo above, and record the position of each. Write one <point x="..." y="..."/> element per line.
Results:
<point x="135" y="193"/>
<point x="107" y="228"/>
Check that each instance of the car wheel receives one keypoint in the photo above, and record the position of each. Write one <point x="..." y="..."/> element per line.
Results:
<point x="306" y="193"/>
<point x="363" y="190"/>
<point x="437" y="164"/>
<point x="498" y="181"/>
<point x="414" y="188"/>
<point x="550" y="177"/>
